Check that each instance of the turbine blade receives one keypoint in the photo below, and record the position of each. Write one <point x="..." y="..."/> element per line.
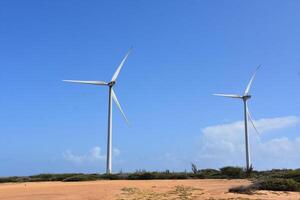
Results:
<point x="228" y="95"/>
<point x="118" y="105"/>
<point x="251" y="120"/>
<point x="115" y="76"/>
<point x="251" y="80"/>
<point x="87" y="82"/>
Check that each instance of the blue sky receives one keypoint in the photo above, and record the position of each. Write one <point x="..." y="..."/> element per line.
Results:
<point x="183" y="51"/>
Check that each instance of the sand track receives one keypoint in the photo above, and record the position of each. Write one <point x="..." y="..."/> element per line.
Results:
<point x="134" y="190"/>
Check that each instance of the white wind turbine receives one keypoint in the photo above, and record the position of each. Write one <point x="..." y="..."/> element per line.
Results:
<point x="112" y="96"/>
<point x="245" y="97"/>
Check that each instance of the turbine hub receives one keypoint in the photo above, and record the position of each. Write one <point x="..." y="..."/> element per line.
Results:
<point x="112" y="83"/>
<point x="246" y="97"/>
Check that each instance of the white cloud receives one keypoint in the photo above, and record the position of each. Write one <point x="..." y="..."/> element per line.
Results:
<point x="69" y="156"/>
<point x="265" y="125"/>
<point x="94" y="155"/>
<point x="224" y="144"/>
<point x="283" y="150"/>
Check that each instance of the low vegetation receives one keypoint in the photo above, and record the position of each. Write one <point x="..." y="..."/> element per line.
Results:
<point x="276" y="179"/>
<point x="273" y="184"/>
<point x="37" y="178"/>
<point x="279" y="184"/>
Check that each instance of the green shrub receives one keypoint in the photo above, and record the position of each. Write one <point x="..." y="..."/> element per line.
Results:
<point x="278" y="184"/>
<point x="180" y="176"/>
<point x="83" y="177"/>
<point x="147" y="176"/>
<point x="158" y="175"/>
<point x="113" y="176"/>
<point x="293" y="174"/>
<point x="279" y="173"/>
<point x="273" y="184"/>
<point x="232" y="172"/>
<point x="51" y="177"/>
<point x="14" y="179"/>
<point x="142" y="176"/>
<point x="209" y="173"/>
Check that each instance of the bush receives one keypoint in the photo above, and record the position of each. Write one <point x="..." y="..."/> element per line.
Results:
<point x="158" y="175"/>
<point x="209" y="173"/>
<point x="14" y="179"/>
<point x="51" y="177"/>
<point x="273" y="184"/>
<point x="180" y="176"/>
<point x="232" y="172"/>
<point x="142" y="176"/>
<point x="293" y="174"/>
<point x="278" y="184"/>
<point x="83" y="177"/>
<point x="113" y="176"/>
<point x="147" y="176"/>
<point x="279" y="173"/>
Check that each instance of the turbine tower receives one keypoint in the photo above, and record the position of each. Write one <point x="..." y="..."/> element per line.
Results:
<point x="247" y="116"/>
<point x="111" y="97"/>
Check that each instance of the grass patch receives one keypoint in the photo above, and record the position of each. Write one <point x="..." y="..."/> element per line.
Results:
<point x="179" y="192"/>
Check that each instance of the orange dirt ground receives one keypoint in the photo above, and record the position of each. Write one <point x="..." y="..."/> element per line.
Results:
<point x="134" y="190"/>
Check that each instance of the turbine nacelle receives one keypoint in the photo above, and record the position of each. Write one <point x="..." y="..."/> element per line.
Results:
<point x="246" y="97"/>
<point x="112" y="83"/>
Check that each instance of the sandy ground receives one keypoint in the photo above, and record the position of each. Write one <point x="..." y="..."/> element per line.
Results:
<point x="134" y="190"/>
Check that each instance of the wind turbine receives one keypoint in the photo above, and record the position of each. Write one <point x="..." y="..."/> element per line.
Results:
<point x="245" y="97"/>
<point x="111" y="96"/>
